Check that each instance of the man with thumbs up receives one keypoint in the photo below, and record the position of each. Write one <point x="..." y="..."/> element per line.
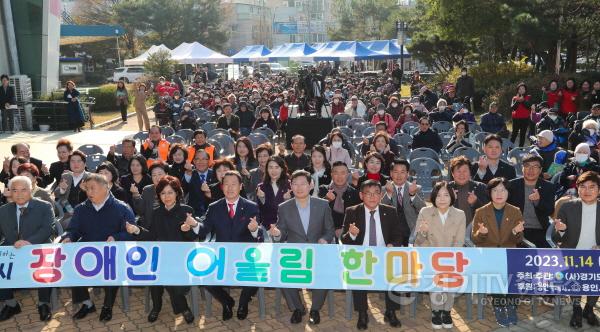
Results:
<point x="403" y="195"/>
<point x="535" y="197"/>
<point x="303" y="219"/>
<point x="232" y="219"/>
<point x="578" y="227"/>
<point x="373" y="224"/>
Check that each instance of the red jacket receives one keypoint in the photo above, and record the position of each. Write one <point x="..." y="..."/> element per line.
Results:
<point x="283" y="113"/>
<point x="552" y="97"/>
<point x="568" y="102"/>
<point x="521" y="109"/>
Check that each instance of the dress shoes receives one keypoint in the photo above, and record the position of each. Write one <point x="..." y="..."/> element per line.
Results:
<point x="390" y="317"/>
<point x="105" y="314"/>
<point x="228" y="310"/>
<point x="84" y="311"/>
<point x="314" y="317"/>
<point x="296" y="316"/>
<point x="45" y="313"/>
<point x="8" y="311"/>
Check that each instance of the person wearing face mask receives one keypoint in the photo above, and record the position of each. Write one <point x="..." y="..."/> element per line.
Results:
<point x="407" y="115"/>
<point x="551" y="121"/>
<point x="382" y="115"/>
<point x="588" y="134"/>
<point x="265" y="119"/>
<point x="581" y="162"/>
<point x="356" y="108"/>
<point x="336" y="152"/>
<point x="337" y="106"/>
<point x="465" y="85"/>
<point x="546" y="147"/>
<point x="187" y="117"/>
<point x="177" y="103"/>
<point x="277" y="101"/>
<point x="442" y="112"/>
<point x="394" y="108"/>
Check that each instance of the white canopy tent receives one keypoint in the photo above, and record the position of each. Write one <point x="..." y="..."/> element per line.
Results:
<point x="196" y="53"/>
<point x="141" y="59"/>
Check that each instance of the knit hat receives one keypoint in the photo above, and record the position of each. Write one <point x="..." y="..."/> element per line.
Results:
<point x="547" y="134"/>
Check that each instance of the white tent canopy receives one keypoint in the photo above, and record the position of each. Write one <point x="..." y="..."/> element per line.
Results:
<point x="196" y="53"/>
<point x="141" y="59"/>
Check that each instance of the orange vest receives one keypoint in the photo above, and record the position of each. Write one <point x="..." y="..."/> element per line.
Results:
<point x="210" y="150"/>
<point x="163" y="151"/>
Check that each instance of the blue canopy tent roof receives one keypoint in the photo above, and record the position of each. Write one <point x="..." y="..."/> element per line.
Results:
<point x="346" y="51"/>
<point x="292" y="51"/>
<point x="324" y="52"/>
<point x="250" y="53"/>
<point x="388" y="47"/>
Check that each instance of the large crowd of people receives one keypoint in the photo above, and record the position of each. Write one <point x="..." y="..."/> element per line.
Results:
<point x="358" y="186"/>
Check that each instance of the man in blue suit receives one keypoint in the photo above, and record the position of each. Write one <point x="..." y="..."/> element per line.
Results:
<point x="232" y="219"/>
<point x="195" y="178"/>
<point x="23" y="222"/>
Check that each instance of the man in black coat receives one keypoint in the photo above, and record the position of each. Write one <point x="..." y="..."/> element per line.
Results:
<point x="331" y="192"/>
<point x="7" y="99"/>
<point x="426" y="137"/>
<point x="470" y="195"/>
<point x="491" y="166"/>
<point x="465" y="85"/>
<point x="534" y="196"/>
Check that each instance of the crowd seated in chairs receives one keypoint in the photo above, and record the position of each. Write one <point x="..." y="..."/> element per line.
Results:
<point x="221" y="148"/>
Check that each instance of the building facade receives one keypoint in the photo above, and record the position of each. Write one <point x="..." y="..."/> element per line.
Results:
<point x="249" y="22"/>
<point x="29" y="41"/>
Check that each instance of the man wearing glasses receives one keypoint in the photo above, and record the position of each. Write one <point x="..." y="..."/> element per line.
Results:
<point x="373" y="224"/>
<point x="535" y="197"/>
<point x="426" y="137"/>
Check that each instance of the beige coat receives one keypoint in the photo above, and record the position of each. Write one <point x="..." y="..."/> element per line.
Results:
<point x="449" y="234"/>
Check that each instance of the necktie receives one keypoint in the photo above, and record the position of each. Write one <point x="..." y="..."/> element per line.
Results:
<point x="202" y="177"/>
<point x="21" y="213"/>
<point x="372" y="230"/>
<point x="400" y="201"/>
<point x="231" y="210"/>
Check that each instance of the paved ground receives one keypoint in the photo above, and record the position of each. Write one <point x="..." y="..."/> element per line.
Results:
<point x="43" y="146"/>
<point x="135" y="318"/>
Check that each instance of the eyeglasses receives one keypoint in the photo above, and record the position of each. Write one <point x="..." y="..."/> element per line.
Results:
<point x="372" y="195"/>
<point x="533" y="167"/>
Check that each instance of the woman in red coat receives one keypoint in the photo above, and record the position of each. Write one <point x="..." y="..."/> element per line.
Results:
<point x="552" y="95"/>
<point x="568" y="103"/>
<point x="520" y="105"/>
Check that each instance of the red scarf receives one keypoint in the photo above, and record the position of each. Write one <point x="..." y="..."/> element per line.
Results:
<point x="376" y="176"/>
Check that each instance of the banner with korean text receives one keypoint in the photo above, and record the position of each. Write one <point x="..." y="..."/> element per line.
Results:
<point x="462" y="270"/>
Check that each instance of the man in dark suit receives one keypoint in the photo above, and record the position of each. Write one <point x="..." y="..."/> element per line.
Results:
<point x="23" y="222"/>
<point x="7" y="99"/>
<point x="193" y="180"/>
<point x="404" y="196"/>
<point x="340" y="194"/>
<point x="470" y="194"/>
<point x="578" y="227"/>
<point x="303" y="219"/>
<point x="491" y="166"/>
<point x="22" y="150"/>
<point x="381" y="229"/>
<point x="232" y="219"/>
<point x="534" y="196"/>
